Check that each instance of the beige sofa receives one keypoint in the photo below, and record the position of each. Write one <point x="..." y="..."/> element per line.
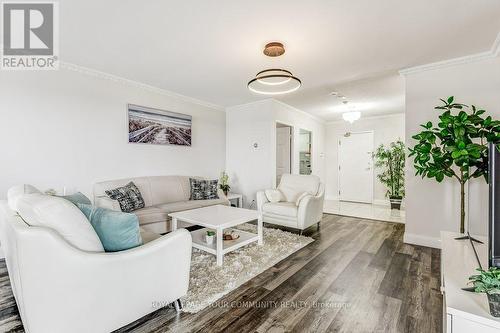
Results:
<point x="162" y="195"/>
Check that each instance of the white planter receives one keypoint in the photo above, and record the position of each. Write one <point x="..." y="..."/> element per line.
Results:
<point x="209" y="239"/>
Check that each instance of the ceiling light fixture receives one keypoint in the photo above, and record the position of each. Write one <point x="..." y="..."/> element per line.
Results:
<point x="350" y="116"/>
<point x="274" y="81"/>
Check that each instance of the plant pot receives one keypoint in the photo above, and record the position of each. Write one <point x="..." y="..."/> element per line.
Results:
<point x="209" y="239"/>
<point x="494" y="300"/>
<point x="226" y="193"/>
<point x="395" y="202"/>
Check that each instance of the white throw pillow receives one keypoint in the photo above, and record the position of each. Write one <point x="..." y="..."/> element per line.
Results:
<point x="273" y="195"/>
<point x="62" y="216"/>
<point x="16" y="192"/>
<point x="302" y="196"/>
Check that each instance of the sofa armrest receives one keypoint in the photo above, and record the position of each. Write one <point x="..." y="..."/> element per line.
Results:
<point x="107" y="202"/>
<point x="221" y="195"/>
<point x="261" y="200"/>
<point x="310" y="209"/>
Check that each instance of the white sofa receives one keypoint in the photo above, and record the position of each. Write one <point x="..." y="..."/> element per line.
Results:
<point x="162" y="195"/>
<point x="287" y="212"/>
<point x="60" y="288"/>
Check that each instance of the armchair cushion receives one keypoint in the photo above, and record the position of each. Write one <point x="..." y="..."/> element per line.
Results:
<point x="62" y="216"/>
<point x="273" y="195"/>
<point x="292" y="186"/>
<point x="280" y="208"/>
<point x="77" y="198"/>
<point x="16" y="192"/>
<point x="117" y="231"/>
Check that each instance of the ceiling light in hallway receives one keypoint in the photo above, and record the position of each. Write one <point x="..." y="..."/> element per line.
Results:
<point x="351" y="116"/>
<point x="274" y="81"/>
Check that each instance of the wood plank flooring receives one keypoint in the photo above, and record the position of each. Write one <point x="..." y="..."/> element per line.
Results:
<point x="358" y="276"/>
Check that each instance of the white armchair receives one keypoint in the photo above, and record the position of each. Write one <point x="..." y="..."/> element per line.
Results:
<point x="301" y="203"/>
<point x="59" y="288"/>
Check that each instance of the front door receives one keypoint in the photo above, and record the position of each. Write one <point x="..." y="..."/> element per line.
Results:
<point x="356" y="167"/>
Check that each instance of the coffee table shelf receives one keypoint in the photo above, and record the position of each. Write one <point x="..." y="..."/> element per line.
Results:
<point x="228" y="245"/>
<point x="220" y="218"/>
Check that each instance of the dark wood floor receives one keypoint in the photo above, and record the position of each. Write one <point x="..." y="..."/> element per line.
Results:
<point x="358" y="276"/>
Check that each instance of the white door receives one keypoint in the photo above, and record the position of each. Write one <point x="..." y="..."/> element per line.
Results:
<point x="283" y="152"/>
<point x="356" y="167"/>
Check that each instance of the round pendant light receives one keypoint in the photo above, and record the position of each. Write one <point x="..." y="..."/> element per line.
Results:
<point x="351" y="116"/>
<point x="274" y="81"/>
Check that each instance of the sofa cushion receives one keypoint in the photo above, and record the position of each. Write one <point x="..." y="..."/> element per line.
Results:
<point x="165" y="189"/>
<point x="151" y="215"/>
<point x="62" y="216"/>
<point x="280" y="208"/>
<point x="129" y="197"/>
<point x="292" y="186"/>
<point x="142" y="183"/>
<point x="117" y="231"/>
<point x="179" y="206"/>
<point x="16" y="192"/>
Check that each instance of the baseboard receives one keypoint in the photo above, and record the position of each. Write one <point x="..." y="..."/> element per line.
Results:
<point x="415" y="239"/>
<point x="381" y="202"/>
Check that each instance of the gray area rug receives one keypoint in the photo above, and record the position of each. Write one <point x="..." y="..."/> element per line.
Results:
<point x="209" y="282"/>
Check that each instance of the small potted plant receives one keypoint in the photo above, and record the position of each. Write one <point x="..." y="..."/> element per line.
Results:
<point x="489" y="282"/>
<point x="392" y="162"/>
<point x="209" y="237"/>
<point x="224" y="183"/>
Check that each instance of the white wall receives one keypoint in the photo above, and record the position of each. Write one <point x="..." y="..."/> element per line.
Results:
<point x="386" y="129"/>
<point x="68" y="129"/>
<point x="253" y="169"/>
<point x="431" y="206"/>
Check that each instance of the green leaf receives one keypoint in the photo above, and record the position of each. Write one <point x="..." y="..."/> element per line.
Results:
<point x="450" y="99"/>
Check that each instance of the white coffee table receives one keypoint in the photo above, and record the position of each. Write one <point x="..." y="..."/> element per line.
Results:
<point x="218" y="218"/>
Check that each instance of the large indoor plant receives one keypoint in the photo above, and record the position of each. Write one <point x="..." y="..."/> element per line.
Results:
<point x="392" y="162"/>
<point x="456" y="147"/>
<point x="489" y="282"/>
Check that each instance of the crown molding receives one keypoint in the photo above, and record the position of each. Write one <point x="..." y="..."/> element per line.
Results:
<point x="492" y="53"/>
<point x="136" y="84"/>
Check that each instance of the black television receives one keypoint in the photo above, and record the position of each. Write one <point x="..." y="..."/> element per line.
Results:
<point x="494" y="206"/>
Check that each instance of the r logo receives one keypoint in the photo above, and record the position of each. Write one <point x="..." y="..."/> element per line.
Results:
<point x="28" y="29"/>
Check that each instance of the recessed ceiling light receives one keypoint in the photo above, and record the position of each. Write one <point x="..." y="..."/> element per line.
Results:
<point x="334" y="93"/>
<point x="351" y="116"/>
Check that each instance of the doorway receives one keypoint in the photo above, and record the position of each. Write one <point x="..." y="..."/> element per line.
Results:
<point x="356" y="167"/>
<point x="283" y="150"/>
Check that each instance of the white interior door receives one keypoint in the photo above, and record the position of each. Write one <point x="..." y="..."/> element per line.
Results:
<point x="283" y="152"/>
<point x="356" y="167"/>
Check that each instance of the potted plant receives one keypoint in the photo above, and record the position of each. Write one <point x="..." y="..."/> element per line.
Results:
<point x="209" y="237"/>
<point x="392" y="162"/>
<point x="456" y="147"/>
<point x="224" y="183"/>
<point x="489" y="282"/>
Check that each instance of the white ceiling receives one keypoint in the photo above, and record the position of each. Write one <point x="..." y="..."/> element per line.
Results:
<point x="210" y="49"/>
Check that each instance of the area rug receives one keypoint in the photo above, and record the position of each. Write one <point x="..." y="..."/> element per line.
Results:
<point x="209" y="282"/>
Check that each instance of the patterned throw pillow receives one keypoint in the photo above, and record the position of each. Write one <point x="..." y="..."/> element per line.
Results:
<point x="203" y="189"/>
<point x="197" y="189"/>
<point x="211" y="190"/>
<point x="129" y="197"/>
